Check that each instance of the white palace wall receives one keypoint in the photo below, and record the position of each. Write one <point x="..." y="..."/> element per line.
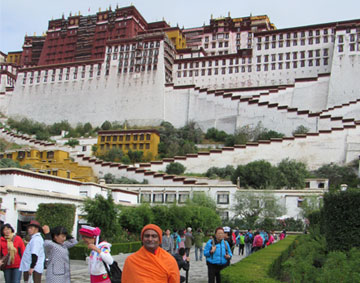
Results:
<point x="312" y="149"/>
<point x="344" y="83"/>
<point x="112" y="97"/>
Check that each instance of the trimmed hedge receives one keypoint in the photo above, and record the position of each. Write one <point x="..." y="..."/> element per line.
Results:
<point x="81" y="251"/>
<point x="341" y="223"/>
<point x="260" y="266"/>
<point x="56" y="214"/>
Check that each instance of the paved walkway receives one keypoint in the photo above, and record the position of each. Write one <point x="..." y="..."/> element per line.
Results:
<point x="197" y="273"/>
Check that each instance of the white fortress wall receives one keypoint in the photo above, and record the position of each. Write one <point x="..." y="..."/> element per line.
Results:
<point x="4" y="102"/>
<point x="311" y="95"/>
<point x="313" y="150"/>
<point x="345" y="73"/>
<point x="348" y="110"/>
<point x="93" y="99"/>
<point x="282" y="96"/>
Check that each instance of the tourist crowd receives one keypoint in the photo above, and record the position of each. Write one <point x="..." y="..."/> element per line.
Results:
<point x="160" y="258"/>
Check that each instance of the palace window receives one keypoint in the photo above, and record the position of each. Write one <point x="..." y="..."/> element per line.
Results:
<point x="223" y="198"/>
<point x="145" y="197"/>
<point x="170" y="198"/>
<point x="183" y="198"/>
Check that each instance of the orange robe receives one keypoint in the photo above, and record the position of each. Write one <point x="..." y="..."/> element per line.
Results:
<point x="146" y="267"/>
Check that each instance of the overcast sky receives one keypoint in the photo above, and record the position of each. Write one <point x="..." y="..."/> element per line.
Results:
<point x="19" y="17"/>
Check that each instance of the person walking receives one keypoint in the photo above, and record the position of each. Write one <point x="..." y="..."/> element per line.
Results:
<point x="240" y="242"/>
<point x="188" y="241"/>
<point x="258" y="242"/>
<point x="56" y="246"/>
<point x="32" y="262"/>
<point x="168" y="242"/>
<point x="199" y="241"/>
<point x="217" y="252"/>
<point x="99" y="255"/>
<point x="176" y="239"/>
<point x="12" y="245"/>
<point x="248" y="242"/>
<point x="182" y="263"/>
<point x="151" y="263"/>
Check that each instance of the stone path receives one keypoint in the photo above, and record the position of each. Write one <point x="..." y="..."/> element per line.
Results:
<point x="197" y="273"/>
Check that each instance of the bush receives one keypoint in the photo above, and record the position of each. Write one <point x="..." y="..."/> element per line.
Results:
<point x="300" y="130"/>
<point x="72" y="142"/>
<point x="260" y="266"/>
<point x="175" y="168"/>
<point x="341" y="220"/>
<point x="80" y="251"/>
<point x="102" y="212"/>
<point x="338" y="175"/>
<point x="56" y="214"/>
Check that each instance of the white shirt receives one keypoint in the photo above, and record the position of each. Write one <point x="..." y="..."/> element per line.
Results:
<point x="35" y="246"/>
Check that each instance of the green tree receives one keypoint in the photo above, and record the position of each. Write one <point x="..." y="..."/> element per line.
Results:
<point x="72" y="142"/>
<point x="338" y="175"/>
<point x="216" y="172"/>
<point x="87" y="128"/>
<point x="175" y="168"/>
<point x="310" y="205"/>
<point x="135" y="218"/>
<point x="202" y="199"/>
<point x="112" y="155"/>
<point x="106" y="125"/>
<point x="135" y="156"/>
<point x="292" y="174"/>
<point x="191" y="132"/>
<point x="254" y="206"/>
<point x="300" y="130"/>
<point x="56" y="128"/>
<point x="269" y="134"/>
<point x="9" y="163"/>
<point x="257" y="175"/>
<point x="103" y="213"/>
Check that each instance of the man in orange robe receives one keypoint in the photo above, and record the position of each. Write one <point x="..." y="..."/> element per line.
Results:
<point x="151" y="263"/>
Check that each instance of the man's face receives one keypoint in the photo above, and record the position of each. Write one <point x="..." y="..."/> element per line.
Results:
<point x="32" y="230"/>
<point x="151" y="240"/>
<point x="167" y="232"/>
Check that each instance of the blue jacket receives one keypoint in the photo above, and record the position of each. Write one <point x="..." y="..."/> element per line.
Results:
<point x="218" y="257"/>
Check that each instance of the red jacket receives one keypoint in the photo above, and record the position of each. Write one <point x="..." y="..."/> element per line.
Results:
<point x="258" y="241"/>
<point x="20" y="247"/>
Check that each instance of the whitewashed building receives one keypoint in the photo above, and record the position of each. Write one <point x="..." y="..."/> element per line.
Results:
<point x="21" y="191"/>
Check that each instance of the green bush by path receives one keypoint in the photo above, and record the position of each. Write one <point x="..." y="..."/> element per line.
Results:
<point x="260" y="266"/>
<point x="341" y="223"/>
<point x="80" y="251"/>
<point x="56" y="214"/>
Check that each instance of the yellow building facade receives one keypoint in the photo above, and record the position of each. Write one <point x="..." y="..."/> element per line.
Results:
<point x="52" y="162"/>
<point x="177" y="37"/>
<point x="14" y="57"/>
<point x="146" y="141"/>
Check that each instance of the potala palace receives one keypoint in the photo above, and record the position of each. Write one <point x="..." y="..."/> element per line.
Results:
<point x="116" y="66"/>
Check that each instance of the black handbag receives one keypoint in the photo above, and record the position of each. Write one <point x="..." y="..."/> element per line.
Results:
<point x="114" y="272"/>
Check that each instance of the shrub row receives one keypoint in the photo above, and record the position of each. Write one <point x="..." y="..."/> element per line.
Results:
<point x="81" y="251"/>
<point x="260" y="266"/>
<point x="340" y="220"/>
